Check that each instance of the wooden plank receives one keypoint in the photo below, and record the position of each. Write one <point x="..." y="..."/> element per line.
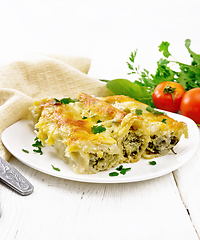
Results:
<point x="188" y="181"/>
<point x="62" y="209"/>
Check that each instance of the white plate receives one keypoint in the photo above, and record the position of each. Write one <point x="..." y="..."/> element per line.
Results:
<point x="21" y="136"/>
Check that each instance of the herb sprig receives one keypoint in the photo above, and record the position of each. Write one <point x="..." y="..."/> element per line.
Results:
<point x="142" y="88"/>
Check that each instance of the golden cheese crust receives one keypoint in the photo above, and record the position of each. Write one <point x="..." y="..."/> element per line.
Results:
<point x="121" y="135"/>
<point x="62" y="126"/>
<point x="128" y="130"/>
<point x="130" y="105"/>
<point x="95" y="106"/>
<point x="165" y="132"/>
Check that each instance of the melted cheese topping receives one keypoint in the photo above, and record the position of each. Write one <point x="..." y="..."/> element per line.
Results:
<point x="125" y="136"/>
<point x="121" y="126"/>
<point x="62" y="126"/>
<point x="163" y="136"/>
<point x="94" y="106"/>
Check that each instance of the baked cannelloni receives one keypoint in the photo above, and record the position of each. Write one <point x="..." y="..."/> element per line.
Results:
<point x="94" y="134"/>
<point x="62" y="126"/>
<point x="130" y="131"/>
<point x="164" y="131"/>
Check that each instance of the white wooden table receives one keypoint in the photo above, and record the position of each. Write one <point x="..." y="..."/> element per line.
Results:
<point x="165" y="208"/>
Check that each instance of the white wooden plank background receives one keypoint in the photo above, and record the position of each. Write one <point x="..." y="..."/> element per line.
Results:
<point x="188" y="181"/>
<point x="107" y="32"/>
<point x="62" y="209"/>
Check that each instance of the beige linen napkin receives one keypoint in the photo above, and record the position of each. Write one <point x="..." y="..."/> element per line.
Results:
<point x="40" y="76"/>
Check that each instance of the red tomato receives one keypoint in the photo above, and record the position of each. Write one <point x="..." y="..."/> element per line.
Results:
<point x="190" y="105"/>
<point x="167" y="96"/>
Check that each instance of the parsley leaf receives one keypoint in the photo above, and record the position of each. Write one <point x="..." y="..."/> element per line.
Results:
<point x="68" y="100"/>
<point x="124" y="170"/>
<point x="121" y="170"/>
<point x="39" y="150"/>
<point x="138" y="111"/>
<point x="164" y="120"/>
<point x="164" y="48"/>
<point x="98" y="129"/>
<point x="65" y="100"/>
<point x="38" y="145"/>
<point x="113" y="174"/>
<point x="57" y="169"/>
<point x="152" y="162"/>
<point x="24" y="150"/>
<point x="152" y="110"/>
<point x="56" y="101"/>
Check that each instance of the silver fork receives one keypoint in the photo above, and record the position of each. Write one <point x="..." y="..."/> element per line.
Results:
<point x="14" y="179"/>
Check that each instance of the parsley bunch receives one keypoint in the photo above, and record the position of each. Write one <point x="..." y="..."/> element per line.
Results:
<point x="142" y="88"/>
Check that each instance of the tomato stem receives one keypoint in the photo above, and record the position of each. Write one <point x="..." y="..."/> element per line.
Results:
<point x="170" y="90"/>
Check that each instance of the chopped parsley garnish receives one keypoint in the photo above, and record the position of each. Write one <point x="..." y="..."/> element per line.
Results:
<point x="113" y="174"/>
<point x="152" y="162"/>
<point x="68" y="100"/>
<point x="99" y="121"/>
<point x="39" y="150"/>
<point x="121" y="170"/>
<point x="65" y="100"/>
<point x="138" y="111"/>
<point x="55" y="168"/>
<point x="152" y="110"/>
<point x="164" y="120"/>
<point x="98" y="129"/>
<point x="124" y="170"/>
<point x="24" y="150"/>
<point x="56" y="100"/>
<point x="84" y="117"/>
<point x="38" y="145"/>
